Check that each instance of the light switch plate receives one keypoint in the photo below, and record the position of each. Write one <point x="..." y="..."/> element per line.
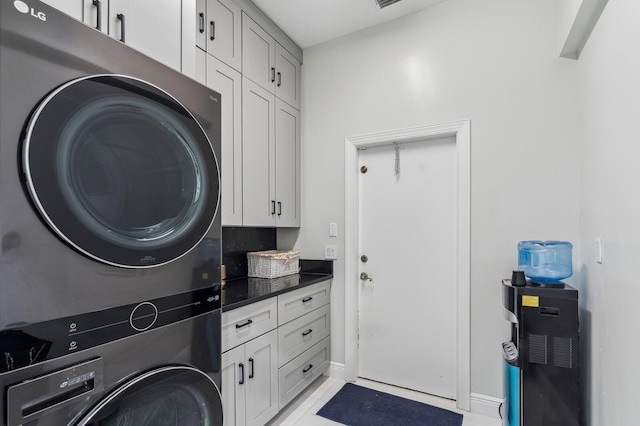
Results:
<point x="331" y="252"/>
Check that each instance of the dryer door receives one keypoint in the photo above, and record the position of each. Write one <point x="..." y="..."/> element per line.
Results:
<point x="168" y="396"/>
<point x="121" y="171"/>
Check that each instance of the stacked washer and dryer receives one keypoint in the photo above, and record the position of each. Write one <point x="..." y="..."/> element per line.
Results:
<point x="110" y="225"/>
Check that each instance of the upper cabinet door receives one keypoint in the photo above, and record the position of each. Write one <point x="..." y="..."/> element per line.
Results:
<point x="287" y="77"/>
<point x="228" y="82"/>
<point x="258" y="155"/>
<point x="258" y="54"/>
<point x="72" y="8"/>
<point x="201" y="24"/>
<point x="153" y="27"/>
<point x="224" y="32"/>
<point x="287" y="166"/>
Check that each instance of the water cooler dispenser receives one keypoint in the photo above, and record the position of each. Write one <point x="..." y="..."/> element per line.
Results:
<point x="542" y="358"/>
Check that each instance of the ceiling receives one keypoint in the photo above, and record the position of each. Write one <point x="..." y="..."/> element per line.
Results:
<point x="311" y="22"/>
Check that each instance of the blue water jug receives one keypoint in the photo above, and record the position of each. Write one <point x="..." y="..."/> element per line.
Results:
<point x="545" y="262"/>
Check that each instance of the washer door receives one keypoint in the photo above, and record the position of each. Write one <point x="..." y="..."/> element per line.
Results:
<point x="168" y="396"/>
<point x="121" y="171"/>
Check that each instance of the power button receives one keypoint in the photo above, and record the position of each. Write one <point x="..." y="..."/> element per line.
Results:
<point x="143" y="316"/>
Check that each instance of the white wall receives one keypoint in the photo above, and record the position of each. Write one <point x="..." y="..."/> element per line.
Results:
<point x="495" y="62"/>
<point x="609" y="92"/>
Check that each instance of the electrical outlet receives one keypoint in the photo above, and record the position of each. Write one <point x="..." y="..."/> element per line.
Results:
<point x="331" y="252"/>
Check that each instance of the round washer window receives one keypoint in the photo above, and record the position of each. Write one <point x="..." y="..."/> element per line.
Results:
<point x="168" y="396"/>
<point x="121" y="170"/>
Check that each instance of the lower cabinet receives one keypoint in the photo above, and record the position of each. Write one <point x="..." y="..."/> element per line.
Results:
<point x="295" y="376"/>
<point x="272" y="350"/>
<point x="250" y="382"/>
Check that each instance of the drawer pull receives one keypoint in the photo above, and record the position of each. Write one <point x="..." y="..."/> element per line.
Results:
<point x="245" y="324"/>
<point x="308" y="368"/>
<point x="98" y="5"/>
<point x="241" y="367"/>
<point x="307" y="299"/>
<point x="251" y="368"/>
<point x="120" y="17"/>
<point x="307" y="332"/>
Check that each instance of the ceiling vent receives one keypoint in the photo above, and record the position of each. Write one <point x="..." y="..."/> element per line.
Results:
<point x="385" y="3"/>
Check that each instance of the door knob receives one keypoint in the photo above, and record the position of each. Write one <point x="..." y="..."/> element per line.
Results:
<point x="365" y="277"/>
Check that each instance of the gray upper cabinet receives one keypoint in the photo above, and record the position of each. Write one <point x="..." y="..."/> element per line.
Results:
<point x="287" y="165"/>
<point x="258" y="155"/>
<point x="153" y="27"/>
<point x="258" y="54"/>
<point x="70" y="7"/>
<point x="288" y="73"/>
<point x="86" y="11"/>
<point x="267" y="63"/>
<point x="228" y="82"/>
<point x="218" y="30"/>
<point x="271" y="159"/>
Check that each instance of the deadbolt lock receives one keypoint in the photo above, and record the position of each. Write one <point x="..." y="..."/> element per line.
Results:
<point x="364" y="258"/>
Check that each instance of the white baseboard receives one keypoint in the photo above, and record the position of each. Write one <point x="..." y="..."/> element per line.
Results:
<point x="486" y="405"/>
<point x="335" y="370"/>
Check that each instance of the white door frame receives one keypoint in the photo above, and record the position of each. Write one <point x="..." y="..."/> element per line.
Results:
<point x="461" y="130"/>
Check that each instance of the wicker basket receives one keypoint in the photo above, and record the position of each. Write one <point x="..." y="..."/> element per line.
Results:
<point x="273" y="263"/>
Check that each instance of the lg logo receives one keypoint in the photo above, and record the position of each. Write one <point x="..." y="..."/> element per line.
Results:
<point x="24" y="8"/>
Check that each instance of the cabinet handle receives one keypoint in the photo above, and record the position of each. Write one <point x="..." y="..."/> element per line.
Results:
<point x="241" y="367"/>
<point x="279" y="78"/>
<point x="98" y="5"/>
<point x="201" y="29"/>
<point x="213" y="30"/>
<point x="273" y="207"/>
<point x="273" y="74"/>
<point x="308" y="368"/>
<point x="120" y="17"/>
<point x="251" y="368"/>
<point x="307" y="332"/>
<point x="279" y="208"/>
<point x="307" y="299"/>
<point x="245" y="324"/>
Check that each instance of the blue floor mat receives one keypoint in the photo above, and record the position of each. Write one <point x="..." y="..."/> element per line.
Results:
<point x="355" y="405"/>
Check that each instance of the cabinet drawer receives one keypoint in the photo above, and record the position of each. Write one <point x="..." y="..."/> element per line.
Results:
<point x="297" y="303"/>
<point x="300" y="334"/>
<point x="299" y="373"/>
<point x="243" y="324"/>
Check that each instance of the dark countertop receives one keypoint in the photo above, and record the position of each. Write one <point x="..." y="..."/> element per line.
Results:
<point x="243" y="291"/>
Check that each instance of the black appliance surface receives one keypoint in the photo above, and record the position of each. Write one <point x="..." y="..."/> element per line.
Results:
<point x="109" y="181"/>
<point x="168" y="375"/>
<point x="545" y="331"/>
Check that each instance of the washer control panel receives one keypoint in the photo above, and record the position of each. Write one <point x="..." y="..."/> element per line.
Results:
<point x="39" y="342"/>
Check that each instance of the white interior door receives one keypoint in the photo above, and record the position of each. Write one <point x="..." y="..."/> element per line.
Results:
<point x="407" y="231"/>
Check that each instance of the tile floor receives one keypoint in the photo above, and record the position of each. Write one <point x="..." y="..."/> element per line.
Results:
<point x="302" y="410"/>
